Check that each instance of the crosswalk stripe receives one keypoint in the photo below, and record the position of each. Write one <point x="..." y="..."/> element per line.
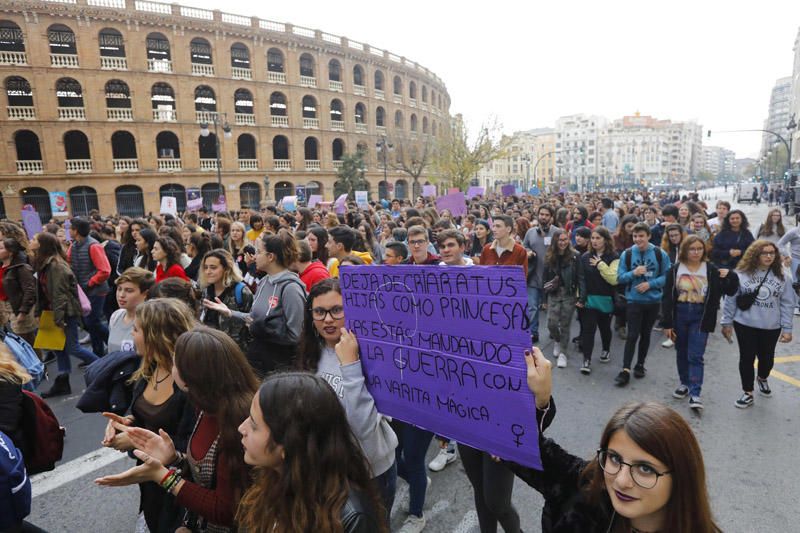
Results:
<point x="72" y="470"/>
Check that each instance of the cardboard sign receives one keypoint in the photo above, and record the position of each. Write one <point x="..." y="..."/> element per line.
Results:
<point x="220" y="205"/>
<point x="313" y="200"/>
<point x="362" y="199"/>
<point x="443" y="348"/>
<point x="289" y="203"/>
<point x="456" y="202"/>
<point x="169" y="206"/>
<point x="472" y="192"/>
<point x="58" y="204"/>
<point x="429" y="191"/>
<point x="31" y="222"/>
<point x="341" y="204"/>
<point x="194" y="199"/>
<point x="508" y="190"/>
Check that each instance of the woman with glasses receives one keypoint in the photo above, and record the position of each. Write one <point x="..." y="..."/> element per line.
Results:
<point x="765" y="322"/>
<point x="331" y="352"/>
<point x="692" y="292"/>
<point x="647" y="475"/>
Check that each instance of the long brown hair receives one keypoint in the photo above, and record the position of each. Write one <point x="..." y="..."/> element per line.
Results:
<point x="161" y="322"/>
<point x="322" y="461"/>
<point x="768" y="228"/>
<point x="49" y="248"/>
<point x="750" y="260"/>
<point x="553" y="256"/>
<point x="664" y="434"/>
<point x="608" y="242"/>
<point x="219" y="382"/>
<point x="666" y="243"/>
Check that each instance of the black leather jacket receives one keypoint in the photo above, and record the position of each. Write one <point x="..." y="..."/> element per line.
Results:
<point x="358" y="515"/>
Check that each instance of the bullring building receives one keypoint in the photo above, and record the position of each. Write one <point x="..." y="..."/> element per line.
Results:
<point x="121" y="102"/>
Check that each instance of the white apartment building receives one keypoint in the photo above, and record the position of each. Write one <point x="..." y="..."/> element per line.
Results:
<point x="577" y="147"/>
<point x="795" y="100"/>
<point x="719" y="162"/>
<point x="780" y="109"/>
<point x="529" y="161"/>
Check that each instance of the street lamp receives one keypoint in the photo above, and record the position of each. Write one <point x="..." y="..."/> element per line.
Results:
<point x="384" y="147"/>
<point x="527" y="159"/>
<point x="226" y="131"/>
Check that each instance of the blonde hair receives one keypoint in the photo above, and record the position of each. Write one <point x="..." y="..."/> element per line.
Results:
<point x="161" y="321"/>
<point x="232" y="274"/>
<point x="242" y="227"/>
<point x="10" y="370"/>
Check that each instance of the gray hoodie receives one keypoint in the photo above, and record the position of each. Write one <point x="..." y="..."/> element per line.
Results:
<point x="278" y="306"/>
<point x="773" y="306"/>
<point x="792" y="239"/>
<point x="372" y="430"/>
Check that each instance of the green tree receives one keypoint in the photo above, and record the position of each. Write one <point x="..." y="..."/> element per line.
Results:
<point x="350" y="176"/>
<point x="458" y="158"/>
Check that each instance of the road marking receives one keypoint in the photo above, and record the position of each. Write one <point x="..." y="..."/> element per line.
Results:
<point x="783" y="377"/>
<point x="72" y="470"/>
<point x="788" y="359"/>
<point x="438" y="508"/>
<point x="467" y="523"/>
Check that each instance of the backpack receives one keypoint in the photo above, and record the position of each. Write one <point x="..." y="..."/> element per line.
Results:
<point x="237" y="293"/>
<point x="15" y="487"/>
<point x="43" y="434"/>
<point x="25" y="355"/>
<point x="659" y="258"/>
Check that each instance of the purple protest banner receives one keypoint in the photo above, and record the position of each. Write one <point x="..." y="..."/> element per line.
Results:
<point x="429" y="190"/>
<point x="220" y="204"/>
<point x="472" y="192"/>
<point x="31" y="222"/>
<point x="508" y="190"/>
<point x="443" y="348"/>
<point x="313" y="200"/>
<point x="456" y="202"/>
<point x="194" y="199"/>
<point x="341" y="204"/>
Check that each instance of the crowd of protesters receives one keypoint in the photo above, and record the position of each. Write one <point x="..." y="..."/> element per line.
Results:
<point x="245" y="403"/>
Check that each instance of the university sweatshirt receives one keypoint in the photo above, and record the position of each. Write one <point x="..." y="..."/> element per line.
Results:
<point x="369" y="426"/>
<point x="655" y="276"/>
<point x="773" y="307"/>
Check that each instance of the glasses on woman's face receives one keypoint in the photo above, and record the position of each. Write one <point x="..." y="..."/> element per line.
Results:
<point x="643" y="474"/>
<point x="698" y="250"/>
<point x="767" y="254"/>
<point x="336" y="312"/>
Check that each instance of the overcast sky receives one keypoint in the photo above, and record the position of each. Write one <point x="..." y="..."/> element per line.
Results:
<point x="530" y="62"/>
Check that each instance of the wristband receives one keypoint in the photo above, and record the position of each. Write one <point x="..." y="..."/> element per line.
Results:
<point x="170" y="472"/>
<point x="173" y="483"/>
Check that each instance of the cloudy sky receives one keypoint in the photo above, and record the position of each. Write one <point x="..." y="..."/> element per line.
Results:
<point x="527" y="63"/>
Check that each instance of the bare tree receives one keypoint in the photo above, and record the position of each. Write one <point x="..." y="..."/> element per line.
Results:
<point x="412" y="157"/>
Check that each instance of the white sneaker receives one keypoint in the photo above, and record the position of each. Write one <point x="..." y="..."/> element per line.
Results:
<point x="797" y="311"/>
<point x="556" y="351"/>
<point x="668" y="343"/>
<point x="413" y="524"/>
<point x="562" y="361"/>
<point x="442" y="459"/>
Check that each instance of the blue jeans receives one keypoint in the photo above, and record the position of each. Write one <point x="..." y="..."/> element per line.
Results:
<point x="534" y="300"/>
<point x="387" y="486"/>
<point x="410" y="458"/>
<point x="72" y="347"/>
<point x="95" y="326"/>
<point x="690" y="346"/>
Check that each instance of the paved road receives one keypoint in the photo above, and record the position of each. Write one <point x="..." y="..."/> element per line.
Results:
<point x="751" y="456"/>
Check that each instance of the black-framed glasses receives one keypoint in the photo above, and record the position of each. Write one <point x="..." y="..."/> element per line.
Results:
<point x="417" y="242"/>
<point x="336" y="312"/>
<point x="643" y="474"/>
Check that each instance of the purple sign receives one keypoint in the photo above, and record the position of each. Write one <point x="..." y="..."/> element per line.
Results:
<point x="472" y="192"/>
<point x="508" y="190"/>
<point x="313" y="200"/>
<point x="456" y="202"/>
<point x="220" y="205"/>
<point x="194" y="199"/>
<point x="429" y="190"/>
<point x="31" y="222"/>
<point x="443" y="348"/>
<point x="341" y="204"/>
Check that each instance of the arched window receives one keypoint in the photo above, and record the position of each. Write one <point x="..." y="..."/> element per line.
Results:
<point x="200" y="51"/>
<point x="210" y="193"/>
<point x="83" y="199"/>
<point x="130" y="201"/>
<point x="358" y="75"/>
<point x="246" y="146"/>
<point x="280" y="147"/>
<point x="439" y="99"/>
<point x="425" y="125"/>
<point x="62" y="40"/>
<point x="19" y="92"/>
<point x="277" y="104"/>
<point x="307" y="65"/>
<point x="380" y="117"/>
<point x="207" y="146"/>
<point x="401" y="189"/>
<point x="40" y="200"/>
<point x="361" y="113"/>
<point x="111" y="43"/>
<point x="204" y="99"/>
<point x="311" y="149"/>
<point x="275" y="61"/>
<point x="309" y="107"/>
<point x="250" y="195"/>
<point x="162" y="98"/>
<point x="123" y="145"/>
<point x="398" y="85"/>
<point x="379" y="80"/>
<point x="338" y="149"/>
<point x="11" y="37"/>
<point x="413" y="122"/>
<point x="313" y="187"/>
<point x="69" y="93"/>
<point x="334" y="70"/>
<point x="243" y="102"/>
<point x="283" y="188"/>
<point x="168" y="146"/>
<point x="240" y="56"/>
<point x="425" y="93"/>
<point x="383" y="190"/>
<point x="412" y="90"/>
<point x="175" y="190"/>
<point x="27" y="145"/>
<point x="433" y="97"/>
<point x="118" y="95"/>
<point x="398" y="120"/>
<point x="76" y="145"/>
<point x="159" y="57"/>
<point x="433" y="129"/>
<point x="337" y="110"/>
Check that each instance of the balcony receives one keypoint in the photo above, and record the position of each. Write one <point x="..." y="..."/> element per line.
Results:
<point x="248" y="164"/>
<point x="380" y="130"/>
<point x="412" y="102"/>
<point x="125" y="114"/>
<point x="199" y="69"/>
<point x="308" y="81"/>
<point x="337" y="125"/>
<point x="245" y="119"/>
<point x="240" y="73"/>
<point x="337" y="165"/>
<point x="283" y="164"/>
<point x="280" y="121"/>
<point x="276" y="77"/>
<point x="64" y="60"/>
<point x="204" y="117"/>
<point x="30" y="167"/>
<point x="423" y="106"/>
<point x="165" y="115"/>
<point x="159" y="65"/>
<point x="208" y="164"/>
<point x="335" y="86"/>
<point x="359" y="90"/>
<point x="13" y="58"/>
<point x="126" y="165"/>
<point x="361" y="127"/>
<point x="169" y="164"/>
<point x="76" y="166"/>
<point x="113" y="63"/>
<point x="71" y="113"/>
<point x="312" y="165"/>
<point x="19" y="112"/>
<point x="397" y="98"/>
<point x="310" y="123"/>
<point x="380" y="95"/>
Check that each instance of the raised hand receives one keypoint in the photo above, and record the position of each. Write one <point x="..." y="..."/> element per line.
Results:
<point x="347" y="348"/>
<point x="217" y="306"/>
<point x="540" y="378"/>
<point x="159" y="446"/>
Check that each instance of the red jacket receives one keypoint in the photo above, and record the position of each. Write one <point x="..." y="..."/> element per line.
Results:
<point x="175" y="271"/>
<point x="313" y="274"/>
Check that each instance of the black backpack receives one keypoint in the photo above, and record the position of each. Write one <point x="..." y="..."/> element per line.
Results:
<point x="659" y="258"/>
